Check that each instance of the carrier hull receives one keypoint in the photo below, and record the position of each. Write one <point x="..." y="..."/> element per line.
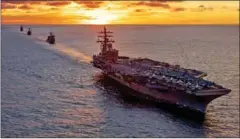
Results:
<point x="181" y="100"/>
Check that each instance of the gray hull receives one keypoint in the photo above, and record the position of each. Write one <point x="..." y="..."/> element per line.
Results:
<point x="189" y="101"/>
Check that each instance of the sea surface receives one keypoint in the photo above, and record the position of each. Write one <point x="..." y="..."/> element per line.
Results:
<point x="54" y="91"/>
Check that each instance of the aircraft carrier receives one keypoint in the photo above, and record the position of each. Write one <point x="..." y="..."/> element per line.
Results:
<point x="156" y="80"/>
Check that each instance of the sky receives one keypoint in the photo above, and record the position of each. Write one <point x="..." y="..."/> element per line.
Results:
<point x="119" y="12"/>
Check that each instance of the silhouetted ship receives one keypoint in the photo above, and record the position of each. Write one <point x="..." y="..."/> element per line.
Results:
<point x="21" y="28"/>
<point x="29" y="32"/>
<point x="51" y="39"/>
<point x="155" y="80"/>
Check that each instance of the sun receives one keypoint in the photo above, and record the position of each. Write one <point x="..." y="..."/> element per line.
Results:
<point x="100" y="16"/>
<point x="99" y="20"/>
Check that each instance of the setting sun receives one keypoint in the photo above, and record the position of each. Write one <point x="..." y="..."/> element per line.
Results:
<point x="100" y="16"/>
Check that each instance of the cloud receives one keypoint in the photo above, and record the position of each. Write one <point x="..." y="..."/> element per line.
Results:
<point x="90" y="4"/>
<point x="161" y="4"/>
<point x="54" y="8"/>
<point x="21" y="1"/>
<point x="58" y="3"/>
<point x="210" y="8"/>
<point x="8" y="6"/>
<point x="25" y="6"/>
<point x="178" y="9"/>
<point x="140" y="10"/>
<point x="141" y="13"/>
<point x="42" y="19"/>
<point x="201" y="7"/>
<point x="204" y="8"/>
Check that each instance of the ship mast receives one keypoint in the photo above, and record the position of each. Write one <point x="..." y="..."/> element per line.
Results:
<point x="104" y="39"/>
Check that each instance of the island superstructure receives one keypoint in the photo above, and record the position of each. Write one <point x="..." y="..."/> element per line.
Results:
<point x="156" y="80"/>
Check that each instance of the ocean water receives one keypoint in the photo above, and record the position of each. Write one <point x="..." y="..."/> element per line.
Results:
<point x="53" y="91"/>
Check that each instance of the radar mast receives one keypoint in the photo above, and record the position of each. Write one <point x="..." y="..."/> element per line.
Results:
<point x="104" y="39"/>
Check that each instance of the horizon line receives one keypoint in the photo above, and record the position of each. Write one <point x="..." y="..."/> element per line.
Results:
<point x="113" y="24"/>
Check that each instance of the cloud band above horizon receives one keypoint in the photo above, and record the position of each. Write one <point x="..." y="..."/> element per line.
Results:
<point x="119" y="12"/>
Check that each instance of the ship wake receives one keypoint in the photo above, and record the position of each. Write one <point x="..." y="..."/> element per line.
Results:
<point x="68" y="51"/>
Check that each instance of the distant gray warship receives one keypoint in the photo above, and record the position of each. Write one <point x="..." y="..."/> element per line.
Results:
<point x="155" y="80"/>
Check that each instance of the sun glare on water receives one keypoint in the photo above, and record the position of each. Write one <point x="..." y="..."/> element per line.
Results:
<point x="100" y="16"/>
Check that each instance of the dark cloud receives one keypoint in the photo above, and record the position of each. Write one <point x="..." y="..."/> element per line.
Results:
<point x="90" y="4"/>
<point x="54" y="8"/>
<point x="165" y="0"/>
<point x="201" y="6"/>
<point x="204" y="8"/>
<point x="161" y="4"/>
<point x="139" y="10"/>
<point x="27" y="3"/>
<point x="210" y="8"/>
<point x="58" y="3"/>
<point x="8" y="6"/>
<point x="25" y="6"/>
<point x="19" y="0"/>
<point x="178" y="9"/>
<point x="22" y="1"/>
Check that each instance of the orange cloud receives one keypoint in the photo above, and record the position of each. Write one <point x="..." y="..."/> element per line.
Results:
<point x="139" y="10"/>
<point x="178" y="9"/>
<point x="58" y="3"/>
<point x="120" y="12"/>
<point x="8" y="6"/>
<point x="90" y="4"/>
<point x="21" y="2"/>
<point x="153" y="4"/>
<point x="25" y="6"/>
<point x="42" y="19"/>
<point x="204" y="8"/>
